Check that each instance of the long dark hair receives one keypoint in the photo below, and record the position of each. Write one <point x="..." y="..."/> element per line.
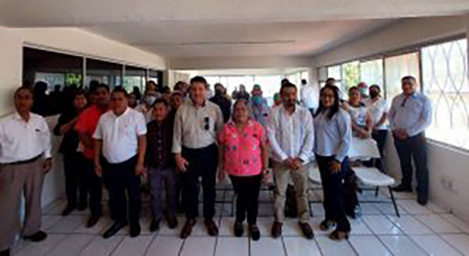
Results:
<point x="335" y="108"/>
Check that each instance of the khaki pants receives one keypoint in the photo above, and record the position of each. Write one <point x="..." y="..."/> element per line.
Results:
<point x="282" y="176"/>
<point x="15" y="180"/>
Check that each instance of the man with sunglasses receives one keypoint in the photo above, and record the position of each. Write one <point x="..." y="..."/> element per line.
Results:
<point x="409" y="116"/>
<point x="195" y="131"/>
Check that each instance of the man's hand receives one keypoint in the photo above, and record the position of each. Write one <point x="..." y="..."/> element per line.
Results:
<point x="140" y="169"/>
<point x="336" y="166"/>
<point x="97" y="169"/>
<point x="47" y="165"/>
<point x="181" y="163"/>
<point x="364" y="134"/>
<point x="296" y="163"/>
<point x="288" y="162"/>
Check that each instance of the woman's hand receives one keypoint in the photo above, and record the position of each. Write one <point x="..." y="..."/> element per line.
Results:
<point x="221" y="175"/>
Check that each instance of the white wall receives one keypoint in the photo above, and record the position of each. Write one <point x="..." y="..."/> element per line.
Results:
<point x="238" y="63"/>
<point x="71" y="40"/>
<point x="445" y="164"/>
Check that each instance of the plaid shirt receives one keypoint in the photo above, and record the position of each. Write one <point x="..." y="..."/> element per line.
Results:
<point x="159" y="137"/>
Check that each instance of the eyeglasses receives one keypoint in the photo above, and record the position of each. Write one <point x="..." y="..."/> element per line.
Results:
<point x="207" y="123"/>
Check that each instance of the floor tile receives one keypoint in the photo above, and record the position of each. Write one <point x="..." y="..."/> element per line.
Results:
<point x="48" y="221"/>
<point x="298" y="246"/>
<point x="438" y="224"/>
<point x="68" y="224"/>
<point x="133" y="246"/>
<point x="103" y="224"/>
<point x="226" y="227"/>
<point x="318" y="209"/>
<point x="369" y="245"/>
<point x="456" y="222"/>
<point x="232" y="246"/>
<point x="291" y="227"/>
<point x="402" y="246"/>
<point x="436" y="209"/>
<point x="315" y="222"/>
<point x="329" y="247"/>
<point x="380" y="225"/>
<point x="196" y="246"/>
<point x="368" y="209"/>
<point x="459" y="241"/>
<point x="358" y="227"/>
<point x="410" y="225"/>
<point x="434" y="245"/>
<point x="166" y="231"/>
<point x="101" y="247"/>
<point x="71" y="245"/>
<point x="388" y="209"/>
<point x="412" y="207"/>
<point x="42" y="248"/>
<point x="268" y="246"/>
<point x="165" y="245"/>
<point x="265" y="225"/>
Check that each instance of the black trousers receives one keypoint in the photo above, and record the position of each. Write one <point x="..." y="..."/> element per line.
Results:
<point x="415" y="148"/>
<point x="93" y="185"/>
<point x="203" y="163"/>
<point x="332" y="185"/>
<point x="380" y="138"/>
<point x="75" y="186"/>
<point x="247" y="190"/>
<point x="124" y="189"/>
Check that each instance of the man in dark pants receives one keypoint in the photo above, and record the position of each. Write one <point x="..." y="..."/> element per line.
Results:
<point x="409" y="116"/>
<point x="85" y="127"/>
<point x="195" y="132"/>
<point x="120" y="145"/>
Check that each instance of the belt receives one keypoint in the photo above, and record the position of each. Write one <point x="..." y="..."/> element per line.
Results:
<point x="24" y="161"/>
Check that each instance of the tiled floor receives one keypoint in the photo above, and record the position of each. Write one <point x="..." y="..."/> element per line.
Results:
<point x="377" y="231"/>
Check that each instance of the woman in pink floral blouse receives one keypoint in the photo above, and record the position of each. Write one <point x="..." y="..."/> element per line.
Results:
<point x="244" y="156"/>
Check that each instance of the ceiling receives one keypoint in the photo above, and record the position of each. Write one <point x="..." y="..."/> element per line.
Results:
<point x="178" y="29"/>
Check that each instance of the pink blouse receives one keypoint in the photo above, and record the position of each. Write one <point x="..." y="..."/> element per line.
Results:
<point x="242" y="150"/>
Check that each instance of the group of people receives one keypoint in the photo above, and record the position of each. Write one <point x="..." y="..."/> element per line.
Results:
<point x="182" y="140"/>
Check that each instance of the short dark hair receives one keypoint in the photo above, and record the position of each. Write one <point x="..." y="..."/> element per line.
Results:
<point x="409" y="78"/>
<point x="330" y="80"/>
<point x="287" y="85"/>
<point x="161" y="100"/>
<point x="353" y="88"/>
<point x="376" y="87"/>
<point x="303" y="81"/>
<point x="199" y="79"/>
<point x="103" y="85"/>
<point x="23" y="88"/>
<point x="120" y="90"/>
<point x="79" y="92"/>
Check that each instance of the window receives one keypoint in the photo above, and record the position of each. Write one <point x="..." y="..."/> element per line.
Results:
<point x="103" y="72"/>
<point x="350" y="75"/>
<point x="134" y="77"/>
<point x="445" y="82"/>
<point x="371" y="72"/>
<point x="397" y="67"/>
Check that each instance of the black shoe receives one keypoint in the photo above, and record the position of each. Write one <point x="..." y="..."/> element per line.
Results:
<point x="36" y="237"/>
<point x="155" y="225"/>
<point x="92" y="221"/>
<point x="402" y="188"/>
<point x="211" y="227"/>
<point x="135" y="230"/>
<point x="68" y="210"/>
<point x="172" y="222"/>
<point x="5" y="252"/>
<point x="306" y="230"/>
<point x="422" y="201"/>
<point x="187" y="229"/>
<point x="255" y="233"/>
<point x="238" y="229"/>
<point x="326" y="224"/>
<point x="114" y="229"/>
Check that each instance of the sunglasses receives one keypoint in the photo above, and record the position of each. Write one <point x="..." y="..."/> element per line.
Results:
<point x="207" y="123"/>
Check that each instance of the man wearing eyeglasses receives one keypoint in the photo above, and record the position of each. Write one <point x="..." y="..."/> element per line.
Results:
<point x="409" y="116"/>
<point x="195" y="131"/>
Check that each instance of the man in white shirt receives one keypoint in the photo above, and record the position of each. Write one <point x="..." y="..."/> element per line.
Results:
<point x="24" y="159"/>
<point x="291" y="136"/>
<point x="194" y="144"/>
<point x="120" y="144"/>
<point x="309" y="96"/>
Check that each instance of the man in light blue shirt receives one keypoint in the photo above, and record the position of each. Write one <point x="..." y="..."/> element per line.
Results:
<point x="409" y="116"/>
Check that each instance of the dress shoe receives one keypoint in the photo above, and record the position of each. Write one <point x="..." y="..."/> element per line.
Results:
<point x="135" y="230"/>
<point x="422" y="200"/>
<point x="154" y="225"/>
<point x="238" y="229"/>
<point x="36" y="237"/>
<point x="254" y="232"/>
<point x="92" y="221"/>
<point x="306" y="230"/>
<point x="187" y="229"/>
<point x="5" y="252"/>
<point x="114" y="229"/>
<point x="172" y="222"/>
<point x="211" y="227"/>
<point x="337" y="235"/>
<point x="402" y="188"/>
<point x="276" y="229"/>
<point x="68" y="210"/>
<point x="326" y="224"/>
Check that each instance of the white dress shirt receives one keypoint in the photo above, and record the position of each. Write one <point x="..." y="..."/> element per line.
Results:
<point x="413" y="114"/>
<point x="119" y="134"/>
<point x="333" y="136"/>
<point x="21" y="140"/>
<point x="309" y="97"/>
<point x="377" y="110"/>
<point x="196" y="127"/>
<point x="291" y="135"/>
